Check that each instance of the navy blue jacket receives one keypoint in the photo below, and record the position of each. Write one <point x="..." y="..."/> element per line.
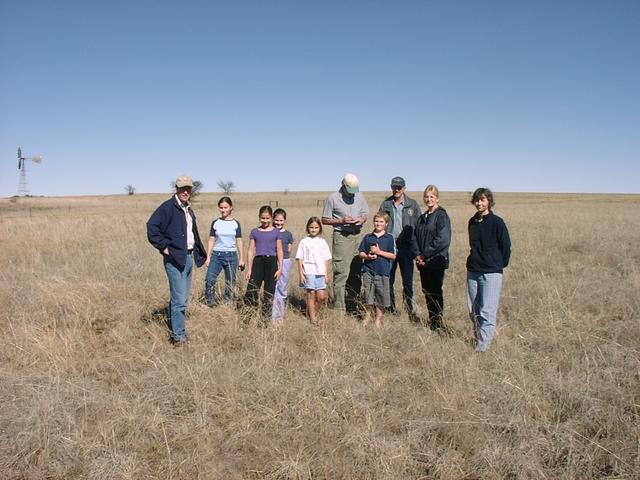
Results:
<point x="167" y="228"/>
<point x="490" y="244"/>
<point x="433" y="237"/>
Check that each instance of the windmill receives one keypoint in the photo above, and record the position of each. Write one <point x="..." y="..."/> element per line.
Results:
<point x="23" y="186"/>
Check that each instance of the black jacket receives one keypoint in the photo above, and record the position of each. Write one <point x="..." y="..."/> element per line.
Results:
<point x="490" y="244"/>
<point x="433" y="237"/>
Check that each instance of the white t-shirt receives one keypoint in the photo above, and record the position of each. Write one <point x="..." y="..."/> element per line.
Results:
<point x="314" y="253"/>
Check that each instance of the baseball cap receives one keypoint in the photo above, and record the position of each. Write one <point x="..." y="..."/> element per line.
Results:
<point x="398" y="182"/>
<point x="184" y="181"/>
<point x="350" y="182"/>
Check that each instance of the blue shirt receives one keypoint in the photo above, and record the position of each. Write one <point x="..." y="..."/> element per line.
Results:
<point x="381" y="265"/>
<point x="225" y="232"/>
<point x="287" y="239"/>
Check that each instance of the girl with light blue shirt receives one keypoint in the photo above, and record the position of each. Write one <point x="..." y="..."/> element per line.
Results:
<point x="224" y="253"/>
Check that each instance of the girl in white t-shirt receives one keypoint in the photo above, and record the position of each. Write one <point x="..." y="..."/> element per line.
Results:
<point x="313" y="257"/>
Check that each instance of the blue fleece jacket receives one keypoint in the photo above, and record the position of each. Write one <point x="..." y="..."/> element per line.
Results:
<point x="167" y="228"/>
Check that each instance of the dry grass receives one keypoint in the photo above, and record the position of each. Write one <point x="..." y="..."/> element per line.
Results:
<point x="91" y="389"/>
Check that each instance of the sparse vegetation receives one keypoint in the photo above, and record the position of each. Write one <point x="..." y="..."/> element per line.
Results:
<point x="91" y="388"/>
<point x="130" y="189"/>
<point x="226" y="186"/>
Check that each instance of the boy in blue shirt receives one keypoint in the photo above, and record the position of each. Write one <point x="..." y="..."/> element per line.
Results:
<point x="378" y="251"/>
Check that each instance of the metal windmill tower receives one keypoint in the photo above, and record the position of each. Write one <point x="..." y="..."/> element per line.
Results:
<point x="23" y="185"/>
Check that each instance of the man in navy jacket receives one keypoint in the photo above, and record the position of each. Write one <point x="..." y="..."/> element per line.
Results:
<point x="173" y="231"/>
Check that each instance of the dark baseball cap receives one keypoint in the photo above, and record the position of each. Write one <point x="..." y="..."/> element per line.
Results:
<point x="398" y="182"/>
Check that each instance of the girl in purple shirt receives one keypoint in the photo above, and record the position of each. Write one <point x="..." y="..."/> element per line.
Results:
<point x="264" y="260"/>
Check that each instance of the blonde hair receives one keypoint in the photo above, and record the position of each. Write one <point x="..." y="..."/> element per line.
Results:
<point x="431" y="188"/>
<point x="383" y="216"/>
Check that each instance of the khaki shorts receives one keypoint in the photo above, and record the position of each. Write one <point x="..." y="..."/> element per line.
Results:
<point x="376" y="289"/>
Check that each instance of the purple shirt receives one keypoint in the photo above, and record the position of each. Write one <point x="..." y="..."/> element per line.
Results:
<point x="265" y="241"/>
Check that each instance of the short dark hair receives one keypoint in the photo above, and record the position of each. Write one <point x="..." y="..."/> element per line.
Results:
<point x="280" y="211"/>
<point x="314" y="220"/>
<point x="483" y="192"/>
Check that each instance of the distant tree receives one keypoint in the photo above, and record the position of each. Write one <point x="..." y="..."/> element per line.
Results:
<point x="226" y="186"/>
<point x="195" y="190"/>
<point x="130" y="189"/>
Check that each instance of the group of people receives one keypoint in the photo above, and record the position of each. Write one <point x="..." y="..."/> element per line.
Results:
<point x="402" y="236"/>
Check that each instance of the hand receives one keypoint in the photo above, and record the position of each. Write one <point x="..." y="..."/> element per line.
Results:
<point x="277" y="274"/>
<point x="207" y="261"/>
<point x="241" y="265"/>
<point x="165" y="251"/>
<point x="420" y="261"/>
<point x="374" y="249"/>
<point x="358" y="221"/>
<point x="248" y="274"/>
<point x="303" y="279"/>
<point x="348" y="219"/>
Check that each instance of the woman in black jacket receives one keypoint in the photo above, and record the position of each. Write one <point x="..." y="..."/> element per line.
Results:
<point x="433" y="237"/>
<point x="489" y="254"/>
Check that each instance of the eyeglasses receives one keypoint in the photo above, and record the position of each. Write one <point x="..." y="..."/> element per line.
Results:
<point x="396" y="187"/>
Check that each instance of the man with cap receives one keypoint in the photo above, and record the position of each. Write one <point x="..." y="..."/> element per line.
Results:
<point x="403" y="214"/>
<point x="173" y="231"/>
<point x="346" y="211"/>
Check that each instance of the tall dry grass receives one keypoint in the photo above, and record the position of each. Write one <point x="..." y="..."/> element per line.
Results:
<point x="91" y="389"/>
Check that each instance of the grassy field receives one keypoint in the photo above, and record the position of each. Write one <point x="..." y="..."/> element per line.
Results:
<point x="90" y="388"/>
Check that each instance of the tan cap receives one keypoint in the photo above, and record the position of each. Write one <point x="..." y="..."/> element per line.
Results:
<point x="184" y="181"/>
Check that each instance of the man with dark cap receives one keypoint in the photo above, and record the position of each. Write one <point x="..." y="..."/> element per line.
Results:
<point x="403" y="216"/>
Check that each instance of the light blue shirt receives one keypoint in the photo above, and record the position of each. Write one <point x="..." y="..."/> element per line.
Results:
<point x="225" y="232"/>
<point x="397" y="219"/>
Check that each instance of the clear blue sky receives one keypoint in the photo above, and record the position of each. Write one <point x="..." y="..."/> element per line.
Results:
<point x="519" y="96"/>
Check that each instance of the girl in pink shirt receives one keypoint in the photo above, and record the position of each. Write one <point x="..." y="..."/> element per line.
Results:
<point x="313" y="257"/>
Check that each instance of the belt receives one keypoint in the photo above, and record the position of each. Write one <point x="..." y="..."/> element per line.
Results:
<point x="189" y="252"/>
<point x="346" y="234"/>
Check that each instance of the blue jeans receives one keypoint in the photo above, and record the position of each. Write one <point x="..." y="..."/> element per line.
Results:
<point x="404" y="260"/>
<point x="483" y="297"/>
<point x="179" y="287"/>
<point x="227" y="261"/>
